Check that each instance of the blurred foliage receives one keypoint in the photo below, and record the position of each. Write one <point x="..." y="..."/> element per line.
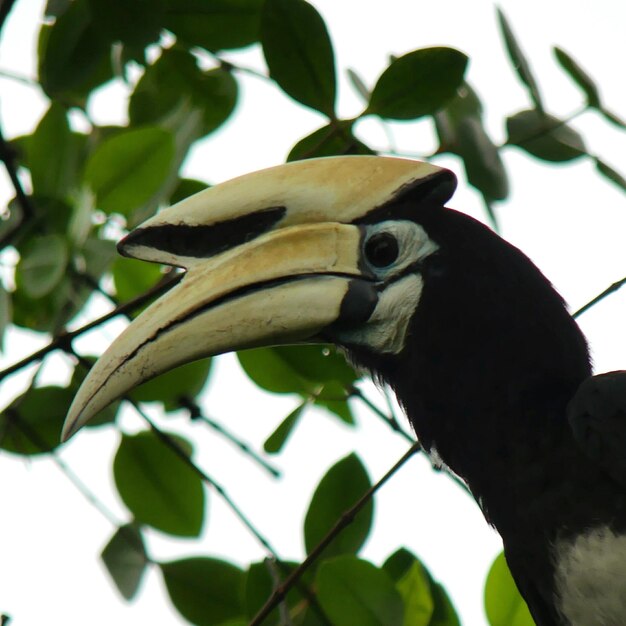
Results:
<point x="87" y="186"/>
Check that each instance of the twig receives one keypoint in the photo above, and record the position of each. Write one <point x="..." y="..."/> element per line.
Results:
<point x="16" y="419"/>
<point x="285" y="618"/>
<point x="607" y="292"/>
<point x="188" y="403"/>
<point x="25" y="80"/>
<point x="64" y="339"/>
<point x="196" y="414"/>
<point x="8" y="158"/>
<point x="344" y="521"/>
<point x="390" y="420"/>
<point x="7" y="155"/>
<point x="239" y="514"/>
<point x="173" y="445"/>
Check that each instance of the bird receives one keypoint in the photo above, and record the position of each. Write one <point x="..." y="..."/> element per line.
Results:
<point x="490" y="368"/>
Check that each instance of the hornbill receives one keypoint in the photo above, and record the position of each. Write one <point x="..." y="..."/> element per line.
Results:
<point x="476" y="343"/>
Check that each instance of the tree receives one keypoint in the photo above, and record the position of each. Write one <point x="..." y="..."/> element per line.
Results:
<point x="89" y="182"/>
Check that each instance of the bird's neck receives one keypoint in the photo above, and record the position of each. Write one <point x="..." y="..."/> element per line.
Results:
<point x="499" y="431"/>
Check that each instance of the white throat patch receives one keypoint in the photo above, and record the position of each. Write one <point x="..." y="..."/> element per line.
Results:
<point x="591" y="578"/>
<point x="386" y="330"/>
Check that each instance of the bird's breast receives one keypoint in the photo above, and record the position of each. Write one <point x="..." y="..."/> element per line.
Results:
<point x="590" y="578"/>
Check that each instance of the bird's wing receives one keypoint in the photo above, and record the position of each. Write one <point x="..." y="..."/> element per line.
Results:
<point x="597" y="416"/>
<point x="533" y="577"/>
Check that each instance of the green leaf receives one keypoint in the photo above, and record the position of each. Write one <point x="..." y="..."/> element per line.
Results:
<point x="32" y="423"/>
<point x="315" y="372"/>
<point x="579" y="76"/>
<point x="331" y="140"/>
<point x="185" y="381"/>
<point x="205" y="591"/>
<point x="444" y="613"/>
<point x="519" y="61"/>
<point x="333" y="396"/>
<point x="74" y="55"/>
<point x="461" y="131"/>
<point x="175" y="81"/>
<point x="12" y="219"/>
<point x="359" y="85"/>
<point x="414" y="587"/>
<point x="132" y="277"/>
<point x="54" y="8"/>
<point x="261" y="580"/>
<point x="125" y="559"/>
<point x="418" y="587"/>
<point x="126" y="170"/>
<point x="5" y="313"/>
<point x="544" y="136"/>
<point x="136" y="23"/>
<point x="503" y="603"/>
<point x="42" y="265"/>
<point x="54" y="154"/>
<point x="158" y="487"/>
<point x="299" y="53"/>
<point x="214" y="24"/>
<point x="275" y="442"/>
<point x="399" y="563"/>
<point x="187" y="187"/>
<point x="98" y="256"/>
<point x="317" y="363"/>
<point x="418" y="83"/>
<point x="483" y="165"/>
<point x="51" y="312"/>
<point x="608" y="172"/>
<point x="353" y="592"/>
<point x="342" y="486"/>
<point x="268" y="370"/>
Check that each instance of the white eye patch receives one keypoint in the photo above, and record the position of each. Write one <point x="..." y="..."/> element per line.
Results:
<point x="413" y="245"/>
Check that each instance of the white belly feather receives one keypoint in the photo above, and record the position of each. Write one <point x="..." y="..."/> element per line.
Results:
<point x="591" y="578"/>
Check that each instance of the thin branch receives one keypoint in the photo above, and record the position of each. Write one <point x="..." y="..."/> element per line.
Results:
<point x="390" y="420"/>
<point x="285" y="617"/>
<point x="345" y="520"/>
<point x="196" y="414"/>
<point x="8" y="158"/>
<point x="389" y="401"/>
<point x="228" y="66"/>
<point x="25" y="80"/>
<point x="16" y="419"/>
<point x="173" y="445"/>
<point x="607" y="292"/>
<point x="239" y="514"/>
<point x="27" y="213"/>
<point x="64" y="339"/>
<point x="194" y="410"/>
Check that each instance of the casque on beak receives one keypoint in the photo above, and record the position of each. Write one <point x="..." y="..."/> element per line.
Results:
<point x="273" y="257"/>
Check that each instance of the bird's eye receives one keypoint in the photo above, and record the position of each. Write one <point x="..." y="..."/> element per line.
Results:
<point x="381" y="249"/>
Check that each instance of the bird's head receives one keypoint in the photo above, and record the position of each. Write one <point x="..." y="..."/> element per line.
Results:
<point x="358" y="251"/>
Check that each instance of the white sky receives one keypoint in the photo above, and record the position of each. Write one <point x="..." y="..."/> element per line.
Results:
<point x="571" y="222"/>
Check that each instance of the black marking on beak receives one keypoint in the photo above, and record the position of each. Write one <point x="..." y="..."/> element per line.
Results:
<point x="357" y="305"/>
<point x="202" y="240"/>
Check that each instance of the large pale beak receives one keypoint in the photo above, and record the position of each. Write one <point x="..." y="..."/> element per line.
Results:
<point x="289" y="282"/>
<point x="334" y="189"/>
